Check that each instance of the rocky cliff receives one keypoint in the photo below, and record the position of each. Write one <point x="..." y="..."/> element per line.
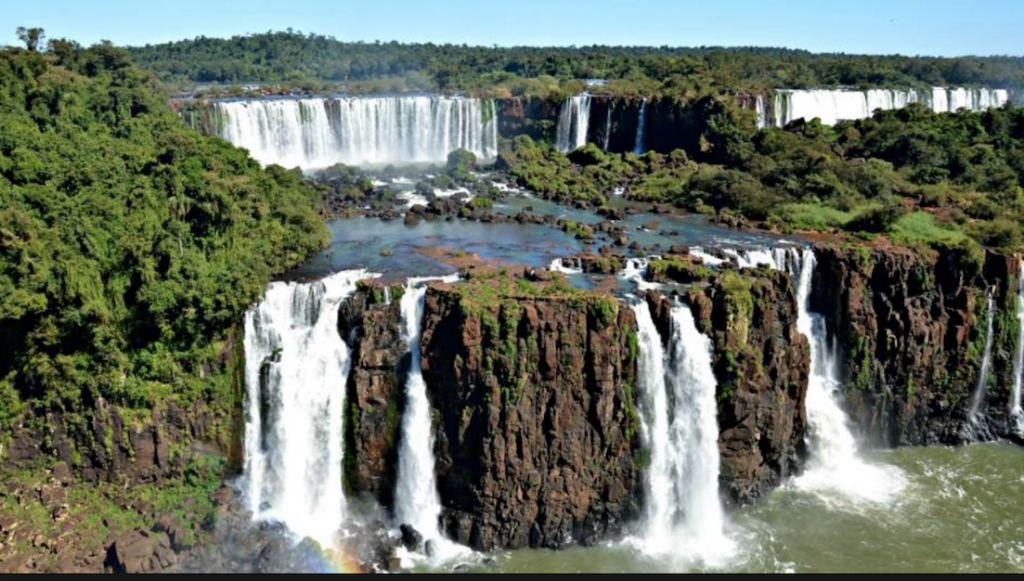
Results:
<point x="913" y="326"/>
<point x="531" y="383"/>
<point x="537" y="440"/>
<point x="104" y="442"/>
<point x="762" y="364"/>
<point x="371" y="324"/>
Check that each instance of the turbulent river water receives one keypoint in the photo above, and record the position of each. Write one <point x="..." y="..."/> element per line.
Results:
<point x="960" y="512"/>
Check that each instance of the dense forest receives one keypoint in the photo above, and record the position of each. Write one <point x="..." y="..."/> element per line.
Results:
<point x="130" y="245"/>
<point x="281" y="57"/>
<point x="913" y="176"/>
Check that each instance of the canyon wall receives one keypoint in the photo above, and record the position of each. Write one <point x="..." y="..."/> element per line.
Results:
<point x="104" y="442"/>
<point x="913" y="326"/>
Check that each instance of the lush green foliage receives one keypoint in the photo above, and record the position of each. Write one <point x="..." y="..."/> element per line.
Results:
<point x="913" y="175"/>
<point x="129" y="244"/>
<point x="287" y="56"/>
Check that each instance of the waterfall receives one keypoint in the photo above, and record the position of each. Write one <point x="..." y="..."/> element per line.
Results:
<point x="753" y="258"/>
<point x="762" y="113"/>
<point x="981" y="390"/>
<point x="416" y="499"/>
<point x="641" y="129"/>
<point x="835" y="463"/>
<point x="573" y="123"/>
<point x="318" y="133"/>
<point x="679" y="421"/>
<point x="832" y="106"/>
<point x="559" y="265"/>
<point x="296" y="367"/>
<point x="1016" y="410"/>
<point x="608" y="128"/>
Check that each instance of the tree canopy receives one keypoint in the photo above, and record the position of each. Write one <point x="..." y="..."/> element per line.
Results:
<point x="276" y="57"/>
<point x="129" y="244"/>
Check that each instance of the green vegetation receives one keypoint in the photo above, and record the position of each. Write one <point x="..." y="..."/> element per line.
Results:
<point x="680" y="270"/>
<point x="104" y="510"/>
<point x="129" y="245"/>
<point x="916" y="177"/>
<point x="307" y="60"/>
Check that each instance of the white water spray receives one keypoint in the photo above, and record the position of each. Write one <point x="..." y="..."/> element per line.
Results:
<point x="608" y="128"/>
<point x="832" y="106"/>
<point x="835" y="465"/>
<point x="1016" y="410"/>
<point x="559" y="265"/>
<point x="683" y="518"/>
<point x="296" y="370"/>
<point x="641" y="129"/>
<point x="981" y="389"/>
<point x="416" y="499"/>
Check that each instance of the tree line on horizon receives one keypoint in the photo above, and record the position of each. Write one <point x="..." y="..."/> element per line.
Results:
<point x="280" y="57"/>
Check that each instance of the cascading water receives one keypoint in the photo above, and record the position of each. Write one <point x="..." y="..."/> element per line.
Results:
<point x="679" y="420"/>
<point x="317" y="133"/>
<point x="835" y="463"/>
<point x="296" y="369"/>
<point x="559" y="265"/>
<point x="1016" y="409"/>
<point x="832" y="106"/>
<point x="641" y="129"/>
<point x="608" y="128"/>
<point x="981" y="390"/>
<point x="573" y="123"/>
<point x="762" y="112"/>
<point x="416" y="499"/>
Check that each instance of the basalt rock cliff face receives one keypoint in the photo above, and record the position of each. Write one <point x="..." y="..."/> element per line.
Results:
<point x="536" y="431"/>
<point x="537" y="441"/>
<point x="371" y="325"/>
<point x="913" y="328"/>
<point x="104" y="442"/>
<point x="762" y="364"/>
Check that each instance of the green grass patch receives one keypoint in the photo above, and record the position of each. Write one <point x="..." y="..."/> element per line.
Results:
<point x="920" y="228"/>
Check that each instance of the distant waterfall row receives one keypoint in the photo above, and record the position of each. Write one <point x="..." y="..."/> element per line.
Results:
<point x="832" y="106"/>
<point x="318" y="133"/>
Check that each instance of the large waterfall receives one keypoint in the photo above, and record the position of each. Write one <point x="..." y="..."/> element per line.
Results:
<point x="981" y="389"/>
<point x="296" y="369"/>
<point x="318" y="133"/>
<point x="573" y="123"/>
<point x="679" y="416"/>
<point x="835" y="464"/>
<point x="1016" y="409"/>
<point x="416" y="499"/>
<point x="832" y="106"/>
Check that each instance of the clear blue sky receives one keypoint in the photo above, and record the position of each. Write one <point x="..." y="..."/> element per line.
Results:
<point x="931" y="27"/>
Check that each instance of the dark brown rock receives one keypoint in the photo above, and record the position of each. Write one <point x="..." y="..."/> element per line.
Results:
<point x="537" y="437"/>
<point x="911" y="325"/>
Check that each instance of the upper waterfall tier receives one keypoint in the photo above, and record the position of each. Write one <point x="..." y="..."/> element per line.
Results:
<point x="317" y="133"/>
<point x="832" y="106"/>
